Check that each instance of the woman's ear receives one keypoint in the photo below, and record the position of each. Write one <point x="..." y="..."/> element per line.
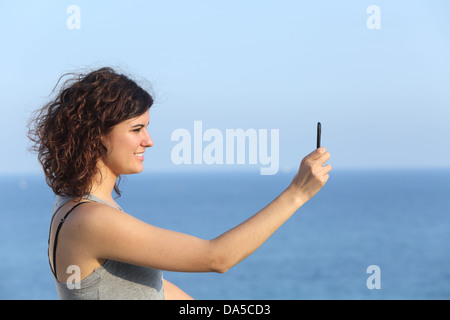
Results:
<point x="106" y="142"/>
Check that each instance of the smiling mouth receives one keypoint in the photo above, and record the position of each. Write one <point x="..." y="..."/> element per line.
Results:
<point x="140" y="156"/>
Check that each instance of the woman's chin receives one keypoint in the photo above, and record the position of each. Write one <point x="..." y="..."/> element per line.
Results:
<point x="138" y="170"/>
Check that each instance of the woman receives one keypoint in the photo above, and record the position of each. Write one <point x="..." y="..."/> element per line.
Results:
<point x="92" y="133"/>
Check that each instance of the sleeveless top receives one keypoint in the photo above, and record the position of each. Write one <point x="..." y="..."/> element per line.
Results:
<point x="113" y="280"/>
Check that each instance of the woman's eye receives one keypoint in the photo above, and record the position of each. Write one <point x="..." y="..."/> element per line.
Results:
<point x="137" y="130"/>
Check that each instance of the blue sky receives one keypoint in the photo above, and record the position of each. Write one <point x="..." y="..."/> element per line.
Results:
<point x="382" y="95"/>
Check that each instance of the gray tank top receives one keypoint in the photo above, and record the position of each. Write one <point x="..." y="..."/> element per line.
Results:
<point x="113" y="280"/>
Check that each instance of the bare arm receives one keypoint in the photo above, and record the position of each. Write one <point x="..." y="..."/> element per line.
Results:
<point x="172" y="292"/>
<point x="236" y="244"/>
<point x="109" y="234"/>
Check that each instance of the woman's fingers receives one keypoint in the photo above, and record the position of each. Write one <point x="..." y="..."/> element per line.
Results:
<point x="312" y="174"/>
<point x="317" y="158"/>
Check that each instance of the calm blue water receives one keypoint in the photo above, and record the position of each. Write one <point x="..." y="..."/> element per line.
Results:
<point x="397" y="220"/>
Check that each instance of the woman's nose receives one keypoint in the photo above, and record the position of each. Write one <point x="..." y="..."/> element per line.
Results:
<point x="147" y="141"/>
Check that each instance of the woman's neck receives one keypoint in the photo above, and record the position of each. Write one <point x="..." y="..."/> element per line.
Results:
<point x="103" y="184"/>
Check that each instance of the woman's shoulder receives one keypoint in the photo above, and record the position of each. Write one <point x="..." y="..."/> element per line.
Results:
<point x="92" y="212"/>
<point x="85" y="217"/>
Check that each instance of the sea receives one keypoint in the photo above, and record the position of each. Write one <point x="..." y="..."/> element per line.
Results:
<point x="380" y="234"/>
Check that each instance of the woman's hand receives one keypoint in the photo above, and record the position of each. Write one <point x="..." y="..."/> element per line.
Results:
<point x="312" y="175"/>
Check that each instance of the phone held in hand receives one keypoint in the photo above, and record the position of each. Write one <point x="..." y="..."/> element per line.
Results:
<point x="319" y="133"/>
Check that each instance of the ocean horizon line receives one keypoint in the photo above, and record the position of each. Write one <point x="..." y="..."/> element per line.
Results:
<point x="244" y="170"/>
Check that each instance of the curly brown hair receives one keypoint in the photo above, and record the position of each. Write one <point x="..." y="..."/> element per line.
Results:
<point x="66" y="133"/>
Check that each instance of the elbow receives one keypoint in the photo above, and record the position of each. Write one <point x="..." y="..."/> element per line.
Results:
<point x="219" y="265"/>
<point x="221" y="269"/>
<point x="219" y="261"/>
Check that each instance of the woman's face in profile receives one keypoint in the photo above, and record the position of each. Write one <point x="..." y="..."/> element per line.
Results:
<point x="126" y="145"/>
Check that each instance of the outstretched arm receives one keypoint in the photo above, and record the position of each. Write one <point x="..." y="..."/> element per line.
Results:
<point x="107" y="233"/>
<point x="236" y="244"/>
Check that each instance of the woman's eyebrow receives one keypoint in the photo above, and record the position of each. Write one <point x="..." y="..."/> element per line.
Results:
<point x="138" y="125"/>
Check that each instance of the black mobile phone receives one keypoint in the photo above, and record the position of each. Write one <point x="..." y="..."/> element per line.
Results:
<point x="319" y="133"/>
